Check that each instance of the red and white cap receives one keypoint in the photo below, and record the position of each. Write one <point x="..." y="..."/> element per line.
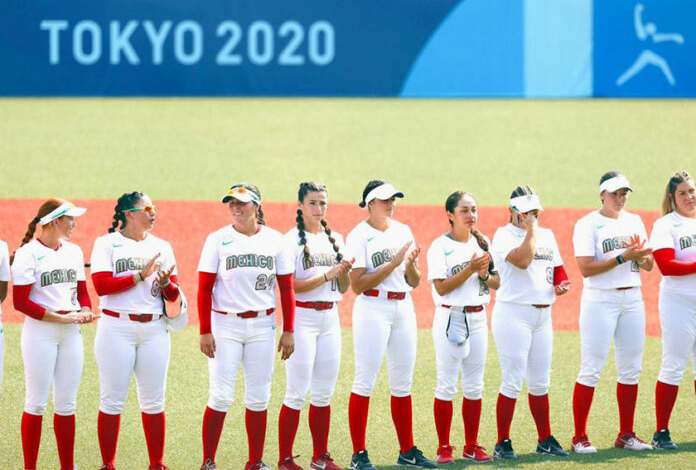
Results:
<point x="67" y="208"/>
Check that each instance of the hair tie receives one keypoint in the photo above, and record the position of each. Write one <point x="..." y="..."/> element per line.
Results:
<point x="36" y="220"/>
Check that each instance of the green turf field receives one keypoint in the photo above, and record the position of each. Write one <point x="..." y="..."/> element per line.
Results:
<point x="187" y="393"/>
<point x="191" y="148"/>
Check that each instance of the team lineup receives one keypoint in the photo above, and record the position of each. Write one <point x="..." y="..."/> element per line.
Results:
<point x="135" y="275"/>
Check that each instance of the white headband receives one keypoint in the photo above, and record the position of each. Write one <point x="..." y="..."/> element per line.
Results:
<point x="67" y="208"/>
<point x="526" y="203"/>
<point x="614" y="184"/>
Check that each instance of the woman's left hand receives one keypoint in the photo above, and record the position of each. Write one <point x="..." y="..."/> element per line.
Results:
<point x="562" y="288"/>
<point x="412" y="257"/>
<point x="286" y="345"/>
<point x="163" y="276"/>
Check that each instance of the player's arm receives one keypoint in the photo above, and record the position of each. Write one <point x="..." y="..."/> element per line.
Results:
<point x="522" y="256"/>
<point x="413" y="274"/>
<point x="3" y="290"/>
<point x="447" y="285"/>
<point x="361" y="281"/>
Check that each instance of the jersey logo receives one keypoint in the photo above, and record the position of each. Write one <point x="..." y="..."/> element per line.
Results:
<point x="460" y="267"/>
<point x="116" y="245"/>
<point x="130" y="264"/>
<point x="40" y="257"/>
<point x="600" y="226"/>
<point x="677" y="225"/>
<point x="616" y="243"/>
<point x="58" y="276"/>
<point x="250" y="260"/>
<point x="319" y="259"/>
<point x="447" y="253"/>
<point x="687" y="242"/>
<point x="544" y="253"/>
<point x="227" y="243"/>
<point x="370" y="239"/>
<point x="383" y="256"/>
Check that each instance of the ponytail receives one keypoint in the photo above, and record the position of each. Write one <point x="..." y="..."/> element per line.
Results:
<point x="126" y="201"/>
<point x="259" y="216"/>
<point x="332" y="240"/>
<point x="46" y="208"/>
<point x="301" y="233"/>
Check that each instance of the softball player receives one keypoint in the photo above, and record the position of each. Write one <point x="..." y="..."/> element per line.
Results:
<point x="610" y="253"/>
<point x="531" y="271"/>
<point x="50" y="289"/>
<point x="239" y="266"/>
<point x="321" y="276"/>
<point x="674" y="240"/>
<point x="461" y="272"/>
<point x="4" y="279"/>
<point x="384" y="273"/>
<point x="134" y="272"/>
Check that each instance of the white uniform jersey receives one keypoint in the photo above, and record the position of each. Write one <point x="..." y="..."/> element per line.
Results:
<point x="604" y="238"/>
<point x="372" y="248"/>
<point x="322" y="258"/>
<point x="531" y="286"/>
<point x="679" y="233"/>
<point x="123" y="256"/>
<point x="446" y="258"/>
<point x="4" y="264"/>
<point x="246" y="268"/>
<point x="53" y="273"/>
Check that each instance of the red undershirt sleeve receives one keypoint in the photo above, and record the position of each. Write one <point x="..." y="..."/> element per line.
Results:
<point x="287" y="301"/>
<point x="559" y="275"/>
<point x="670" y="266"/>
<point x="206" y="281"/>
<point x="171" y="292"/>
<point x="82" y="295"/>
<point x="105" y="283"/>
<point x="22" y="303"/>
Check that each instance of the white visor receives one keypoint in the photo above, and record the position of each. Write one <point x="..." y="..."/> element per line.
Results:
<point x="67" y="208"/>
<point x="383" y="192"/>
<point x="614" y="184"/>
<point x="241" y="194"/>
<point x="526" y="203"/>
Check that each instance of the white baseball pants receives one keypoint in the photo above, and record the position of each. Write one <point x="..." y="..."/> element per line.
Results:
<point x="2" y="354"/>
<point x="524" y="338"/>
<point x="251" y="343"/>
<point x="379" y="326"/>
<point x="678" y="322"/>
<point x="450" y="367"/>
<point x="313" y="366"/>
<point x="123" y="347"/>
<point x="606" y="316"/>
<point x="52" y="354"/>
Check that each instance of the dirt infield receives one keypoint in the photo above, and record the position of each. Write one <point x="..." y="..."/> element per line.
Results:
<point x="186" y="224"/>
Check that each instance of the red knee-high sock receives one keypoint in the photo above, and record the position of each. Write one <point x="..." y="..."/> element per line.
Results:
<point x="582" y="401"/>
<point x="357" y="420"/>
<point x="64" y="428"/>
<point x="504" y="411"/>
<point x="539" y="406"/>
<point x="288" y="421"/>
<point x="154" y="427"/>
<point x="443" y="421"/>
<point x="665" y="396"/>
<point x="31" y="438"/>
<point x="471" y="414"/>
<point x="626" y="396"/>
<point x="402" y="415"/>
<point x="319" y="422"/>
<point x="213" y="422"/>
<point x="107" y="431"/>
<point x="256" y="433"/>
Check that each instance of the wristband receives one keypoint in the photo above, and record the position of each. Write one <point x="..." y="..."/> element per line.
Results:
<point x="138" y="277"/>
<point x="620" y="259"/>
<point x="164" y="286"/>
<point x="484" y="279"/>
<point x="326" y="279"/>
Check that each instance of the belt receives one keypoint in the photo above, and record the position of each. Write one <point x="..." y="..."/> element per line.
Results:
<point x="248" y="313"/>
<point x="315" y="305"/>
<point x="390" y="295"/>
<point x="624" y="288"/>
<point x="468" y="308"/>
<point x="541" y="305"/>
<point x="136" y="317"/>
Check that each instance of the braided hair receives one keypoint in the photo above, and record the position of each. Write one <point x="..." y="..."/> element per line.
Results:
<point x="255" y="190"/>
<point x="450" y="204"/>
<point x="668" y="202"/>
<point x="369" y="187"/>
<point x="46" y="208"/>
<point x="126" y="201"/>
<point x="306" y="187"/>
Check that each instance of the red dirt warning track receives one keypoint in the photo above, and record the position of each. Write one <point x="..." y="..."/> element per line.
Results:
<point x="186" y="224"/>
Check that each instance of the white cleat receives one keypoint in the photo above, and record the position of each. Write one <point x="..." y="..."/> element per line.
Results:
<point x="630" y="441"/>
<point x="581" y="445"/>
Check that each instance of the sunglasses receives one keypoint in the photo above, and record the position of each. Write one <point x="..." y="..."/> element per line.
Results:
<point x="147" y="209"/>
<point x="534" y="213"/>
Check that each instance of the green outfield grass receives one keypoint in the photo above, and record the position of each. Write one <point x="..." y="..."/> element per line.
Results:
<point x="187" y="393"/>
<point x="194" y="148"/>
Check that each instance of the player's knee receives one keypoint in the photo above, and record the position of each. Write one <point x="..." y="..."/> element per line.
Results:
<point x="630" y="376"/>
<point x="588" y="377"/>
<point x="293" y="401"/>
<point x="112" y="406"/>
<point x="257" y="405"/>
<point x="320" y="400"/>
<point x="65" y="409"/>
<point x="671" y="377"/>
<point x="401" y="390"/>
<point x="445" y="392"/>
<point x="510" y="390"/>
<point x="221" y="404"/>
<point x="35" y="409"/>
<point x="152" y="408"/>
<point x="538" y="389"/>
<point x="473" y="392"/>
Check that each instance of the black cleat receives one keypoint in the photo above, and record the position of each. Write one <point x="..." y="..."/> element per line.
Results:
<point x="550" y="446"/>
<point x="414" y="458"/>
<point x="503" y="450"/>
<point x="662" y="440"/>
<point x="361" y="461"/>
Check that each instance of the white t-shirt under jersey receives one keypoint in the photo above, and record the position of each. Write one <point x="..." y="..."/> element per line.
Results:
<point x="679" y="233"/>
<point x="447" y="257"/>
<point x="4" y="264"/>
<point x="53" y="273"/>
<point x="372" y="248"/>
<point x="322" y="259"/>
<point x="531" y="286"/>
<point x="246" y="268"/>
<point x="123" y="256"/>
<point x="604" y="238"/>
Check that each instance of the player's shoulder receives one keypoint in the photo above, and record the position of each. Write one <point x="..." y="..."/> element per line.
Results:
<point x="269" y="232"/>
<point x="506" y="230"/>
<point x="400" y="226"/>
<point x="292" y="234"/>
<point x="70" y="246"/>
<point x="222" y="232"/>
<point x="28" y="249"/>
<point x="667" y="221"/>
<point x="440" y="241"/>
<point x="588" y="220"/>
<point x="632" y="217"/>
<point x="359" y="231"/>
<point x="110" y="237"/>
